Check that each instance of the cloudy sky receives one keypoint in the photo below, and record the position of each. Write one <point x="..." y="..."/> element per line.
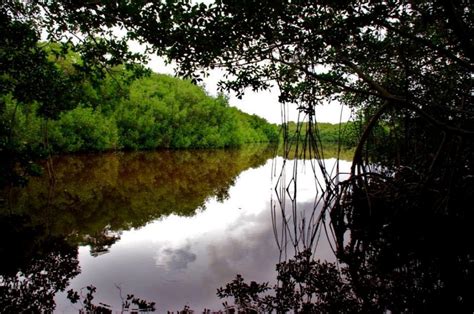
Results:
<point x="264" y="103"/>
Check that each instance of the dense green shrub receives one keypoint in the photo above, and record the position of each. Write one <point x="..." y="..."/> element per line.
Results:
<point x="157" y="111"/>
<point x="83" y="129"/>
<point x="25" y="126"/>
<point x="166" y="112"/>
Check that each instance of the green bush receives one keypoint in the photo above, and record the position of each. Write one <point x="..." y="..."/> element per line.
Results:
<point x="83" y="129"/>
<point x="157" y="111"/>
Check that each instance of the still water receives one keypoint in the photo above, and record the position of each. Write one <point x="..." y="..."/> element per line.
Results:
<point x="167" y="226"/>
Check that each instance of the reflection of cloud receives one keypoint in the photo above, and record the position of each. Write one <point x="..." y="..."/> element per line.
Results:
<point x="183" y="260"/>
<point x="175" y="259"/>
<point x="248" y="248"/>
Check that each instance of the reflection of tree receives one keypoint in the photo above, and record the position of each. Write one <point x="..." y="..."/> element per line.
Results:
<point x="34" y="266"/>
<point x="95" y="196"/>
<point x="86" y="300"/>
<point x="90" y="201"/>
<point x="101" y="241"/>
<point x="378" y="277"/>
<point x="305" y="286"/>
<point x="401" y="235"/>
<point x="409" y="244"/>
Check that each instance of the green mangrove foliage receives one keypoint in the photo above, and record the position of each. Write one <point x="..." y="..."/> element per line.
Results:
<point x="156" y="111"/>
<point x="165" y="112"/>
<point x="345" y="133"/>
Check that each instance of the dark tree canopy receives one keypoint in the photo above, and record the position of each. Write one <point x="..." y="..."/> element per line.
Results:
<point x="397" y="51"/>
<point x="407" y="53"/>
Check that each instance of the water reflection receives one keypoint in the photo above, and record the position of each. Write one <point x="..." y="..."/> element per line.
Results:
<point x="394" y="252"/>
<point x="94" y="197"/>
<point x="100" y="202"/>
<point x="180" y="260"/>
<point x="169" y="227"/>
<point x="34" y="266"/>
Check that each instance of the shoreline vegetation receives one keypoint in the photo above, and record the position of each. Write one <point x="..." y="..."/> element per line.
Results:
<point x="157" y="111"/>
<point x="122" y="112"/>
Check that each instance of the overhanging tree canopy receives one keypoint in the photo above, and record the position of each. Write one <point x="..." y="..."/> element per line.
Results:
<point x="413" y="56"/>
<point x="409" y="53"/>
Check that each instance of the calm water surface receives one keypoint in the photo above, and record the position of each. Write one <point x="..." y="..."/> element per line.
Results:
<point x="169" y="227"/>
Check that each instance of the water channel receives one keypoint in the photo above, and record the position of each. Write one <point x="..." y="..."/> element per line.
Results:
<point x="168" y="226"/>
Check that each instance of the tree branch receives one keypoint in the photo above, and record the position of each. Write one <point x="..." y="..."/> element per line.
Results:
<point x="319" y="77"/>
<point x="379" y="88"/>
<point x="360" y="145"/>
<point x="428" y="43"/>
